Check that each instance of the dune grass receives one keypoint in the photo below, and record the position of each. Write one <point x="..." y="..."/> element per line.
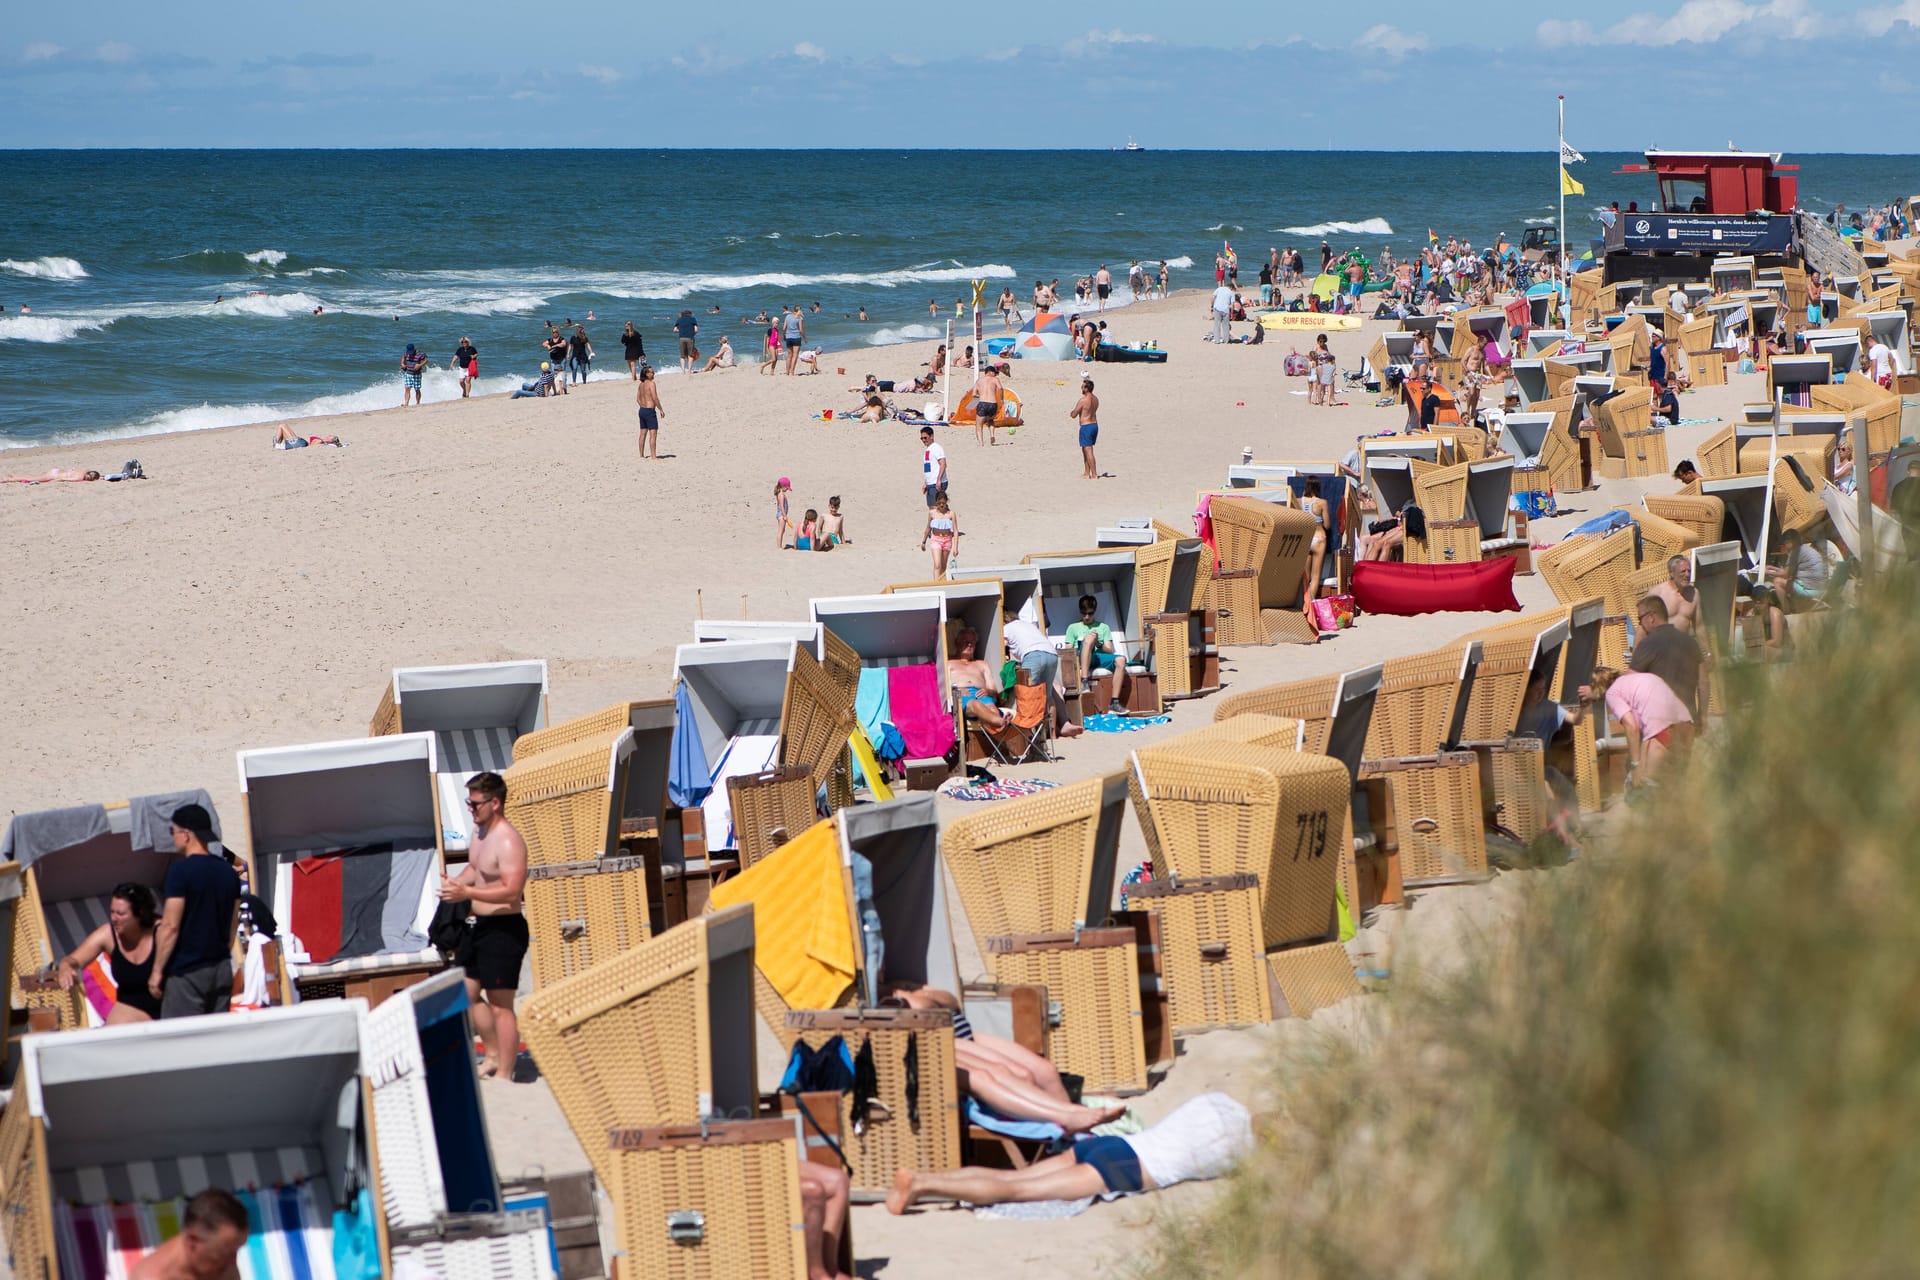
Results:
<point x="1696" y="1053"/>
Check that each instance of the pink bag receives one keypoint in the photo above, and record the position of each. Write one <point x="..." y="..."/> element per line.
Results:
<point x="1295" y="365"/>
<point x="1331" y="613"/>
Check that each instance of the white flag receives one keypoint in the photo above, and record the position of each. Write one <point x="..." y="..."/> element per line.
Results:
<point x="1568" y="155"/>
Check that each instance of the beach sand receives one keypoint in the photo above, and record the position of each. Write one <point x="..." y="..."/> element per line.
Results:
<point x="244" y="597"/>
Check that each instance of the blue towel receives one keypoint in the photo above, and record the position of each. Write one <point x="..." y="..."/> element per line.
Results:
<point x="689" y="778"/>
<point x="872" y="704"/>
<point x="1006" y="1126"/>
<point x="1600" y="524"/>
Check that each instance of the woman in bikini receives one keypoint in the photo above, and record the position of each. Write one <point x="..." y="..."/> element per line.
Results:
<point x="942" y="530"/>
<point x="1316" y="506"/>
<point x="72" y="474"/>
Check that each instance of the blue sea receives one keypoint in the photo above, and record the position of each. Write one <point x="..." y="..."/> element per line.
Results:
<point x="178" y="290"/>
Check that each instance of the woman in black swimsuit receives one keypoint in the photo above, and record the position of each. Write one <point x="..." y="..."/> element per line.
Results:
<point x="126" y="939"/>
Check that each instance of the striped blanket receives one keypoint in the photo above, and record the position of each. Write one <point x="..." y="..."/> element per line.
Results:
<point x="290" y="1235"/>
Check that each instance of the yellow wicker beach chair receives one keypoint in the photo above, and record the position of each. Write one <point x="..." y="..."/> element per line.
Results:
<point x="1796" y="495"/>
<point x="64" y="894"/>
<point x="1245" y="880"/>
<point x="900" y="839"/>
<point x="1661" y="538"/>
<point x="1596" y="566"/>
<point x="661" y="1038"/>
<point x="1171" y="618"/>
<point x="1560" y="453"/>
<point x="1628" y="433"/>
<point x="1453" y="533"/>
<point x="770" y="808"/>
<point x="583" y="913"/>
<point x="1275" y="544"/>
<point x="1433" y="793"/>
<point x="1035" y="876"/>
<point x="1720" y="455"/>
<point x="913" y="1059"/>
<point x="568" y="802"/>
<point x="1701" y="517"/>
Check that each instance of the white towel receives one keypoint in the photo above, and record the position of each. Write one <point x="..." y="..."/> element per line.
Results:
<point x="748" y="753"/>
<point x="253" y="973"/>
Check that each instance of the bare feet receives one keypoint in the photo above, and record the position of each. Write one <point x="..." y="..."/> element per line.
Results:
<point x="489" y="1070"/>
<point x="1071" y="730"/>
<point x="1092" y="1117"/>
<point x="901" y="1198"/>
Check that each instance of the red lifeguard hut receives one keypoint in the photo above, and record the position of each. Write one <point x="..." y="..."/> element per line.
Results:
<point x="1723" y="182"/>
<point x="1710" y="203"/>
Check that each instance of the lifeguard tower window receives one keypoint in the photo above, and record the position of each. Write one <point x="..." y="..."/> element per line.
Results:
<point x="1683" y="195"/>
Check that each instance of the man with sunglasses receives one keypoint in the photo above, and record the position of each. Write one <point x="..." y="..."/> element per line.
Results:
<point x="1670" y="653"/>
<point x="496" y="941"/>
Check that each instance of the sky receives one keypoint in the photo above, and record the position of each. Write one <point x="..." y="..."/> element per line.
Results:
<point x="1231" y="74"/>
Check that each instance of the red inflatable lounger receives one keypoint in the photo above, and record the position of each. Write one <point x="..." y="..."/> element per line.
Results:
<point x="1387" y="586"/>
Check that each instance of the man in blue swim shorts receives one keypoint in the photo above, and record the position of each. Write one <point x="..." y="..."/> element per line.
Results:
<point x="1203" y="1138"/>
<point x="1086" y="412"/>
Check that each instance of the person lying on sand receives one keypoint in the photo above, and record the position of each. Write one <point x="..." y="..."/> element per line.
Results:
<point x="72" y="474"/>
<point x="1014" y="1081"/>
<point x="285" y="437"/>
<point x="1203" y="1138"/>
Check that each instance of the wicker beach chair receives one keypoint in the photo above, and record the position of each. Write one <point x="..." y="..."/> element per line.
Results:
<point x="1560" y="453"/>
<point x="770" y="808"/>
<point x="360" y="813"/>
<point x="568" y="802"/>
<point x="1170" y="616"/>
<point x="1111" y="575"/>
<point x="1796" y="495"/>
<point x="1719" y="455"/>
<point x="1661" y="538"/>
<point x="477" y="713"/>
<point x="1628" y="433"/>
<point x="1246" y="882"/>
<point x="1701" y="517"/>
<point x="1035" y="876"/>
<point x="1596" y="566"/>
<point x="1274" y="542"/>
<point x="1453" y="533"/>
<point x="66" y="891"/>
<point x="900" y="840"/>
<point x="1433" y="791"/>
<point x="647" y="1055"/>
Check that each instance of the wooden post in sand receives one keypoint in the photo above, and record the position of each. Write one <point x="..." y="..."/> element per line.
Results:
<point x="743" y="606"/>
<point x="700" y="604"/>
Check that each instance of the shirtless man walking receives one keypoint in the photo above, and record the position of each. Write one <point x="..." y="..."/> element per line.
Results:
<point x="1683" y="602"/>
<point x="1103" y="285"/>
<point x="986" y="406"/>
<point x="496" y="941"/>
<point x="1086" y="412"/>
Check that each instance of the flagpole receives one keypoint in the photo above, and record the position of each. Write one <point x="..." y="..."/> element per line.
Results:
<point x="1559" y="163"/>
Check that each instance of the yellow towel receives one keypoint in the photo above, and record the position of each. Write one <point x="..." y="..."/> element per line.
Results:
<point x="802" y="931"/>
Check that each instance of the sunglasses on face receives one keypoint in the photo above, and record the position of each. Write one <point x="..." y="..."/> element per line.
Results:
<point x="477" y="805"/>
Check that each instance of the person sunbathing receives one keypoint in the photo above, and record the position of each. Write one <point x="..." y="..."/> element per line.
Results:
<point x="285" y="437"/>
<point x="126" y="940"/>
<point x="975" y="680"/>
<point x="1203" y="1138"/>
<point x="69" y="474"/>
<point x="1014" y="1081"/>
<point x="721" y="359"/>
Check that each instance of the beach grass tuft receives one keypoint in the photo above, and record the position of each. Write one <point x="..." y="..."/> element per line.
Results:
<point x="1695" y="1052"/>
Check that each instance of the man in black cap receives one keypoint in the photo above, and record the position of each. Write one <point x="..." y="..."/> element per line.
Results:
<point x="193" y="947"/>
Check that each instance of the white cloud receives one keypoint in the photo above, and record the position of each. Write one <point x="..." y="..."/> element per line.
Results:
<point x="40" y="51"/>
<point x="1880" y="21"/>
<point x="1100" y="42"/>
<point x="1695" y="22"/>
<point x="605" y="75"/>
<point x="1389" y="42"/>
<point x="114" y="51"/>
<point x="1003" y="55"/>
<point x="808" y="49"/>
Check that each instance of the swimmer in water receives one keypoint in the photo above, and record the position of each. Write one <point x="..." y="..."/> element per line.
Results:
<point x="318" y="310"/>
<point x="219" y="298"/>
<point x="863" y="313"/>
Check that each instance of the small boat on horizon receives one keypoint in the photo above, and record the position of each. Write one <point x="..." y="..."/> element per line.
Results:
<point x="1131" y="145"/>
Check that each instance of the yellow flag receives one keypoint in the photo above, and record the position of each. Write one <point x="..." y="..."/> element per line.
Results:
<point x="1568" y="187"/>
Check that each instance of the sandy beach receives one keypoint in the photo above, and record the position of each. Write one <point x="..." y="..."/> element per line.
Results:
<point x="244" y="597"/>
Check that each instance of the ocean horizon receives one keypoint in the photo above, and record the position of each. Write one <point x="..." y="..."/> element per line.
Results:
<point x="183" y="289"/>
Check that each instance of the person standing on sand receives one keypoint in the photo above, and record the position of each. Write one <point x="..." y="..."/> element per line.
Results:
<point x="933" y="466"/>
<point x="781" y="522"/>
<point x="794" y="331"/>
<point x="193" y="943"/>
<point x="1163" y="277"/>
<point x="412" y="365"/>
<point x="686" y="326"/>
<point x="770" y="359"/>
<point x="1103" y="285"/>
<point x="647" y="396"/>
<point x="634" y="347"/>
<point x="943" y="530"/>
<point x="1222" y="308"/>
<point x="986" y="407"/>
<point x="495" y="945"/>
<point x="1086" y="412"/>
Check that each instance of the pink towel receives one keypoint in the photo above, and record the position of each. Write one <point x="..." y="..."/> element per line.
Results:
<point x="924" y="724"/>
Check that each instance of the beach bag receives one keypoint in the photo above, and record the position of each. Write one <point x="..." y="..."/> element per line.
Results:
<point x="1534" y="506"/>
<point x="1332" y="613"/>
<point x="1295" y="366"/>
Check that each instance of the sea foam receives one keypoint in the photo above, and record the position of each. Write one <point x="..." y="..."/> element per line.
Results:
<point x="1365" y="227"/>
<point x="45" y="328"/>
<point x="48" y="268"/>
<point x="266" y="257"/>
<point x="437" y="385"/>
<point x="905" y="333"/>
